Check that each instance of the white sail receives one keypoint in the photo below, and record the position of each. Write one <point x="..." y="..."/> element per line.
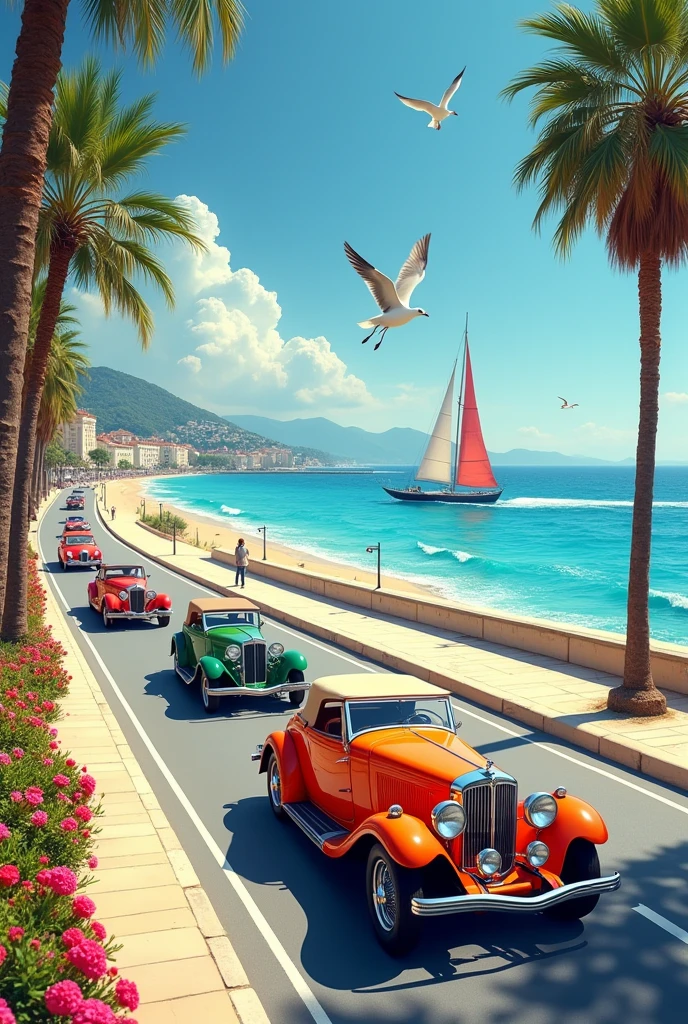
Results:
<point x="436" y="464"/>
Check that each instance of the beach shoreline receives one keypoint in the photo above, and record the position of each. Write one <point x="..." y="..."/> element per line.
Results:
<point x="126" y="494"/>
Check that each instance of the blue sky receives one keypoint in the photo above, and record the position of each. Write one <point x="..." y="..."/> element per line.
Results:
<point x="300" y="144"/>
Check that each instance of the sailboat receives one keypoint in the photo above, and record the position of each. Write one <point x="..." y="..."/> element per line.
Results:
<point x="471" y="466"/>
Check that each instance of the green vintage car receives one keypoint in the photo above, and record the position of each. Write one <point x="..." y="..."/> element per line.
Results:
<point x="222" y="651"/>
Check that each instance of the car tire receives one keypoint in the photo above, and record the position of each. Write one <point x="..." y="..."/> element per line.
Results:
<point x="163" y="620"/>
<point x="107" y="621"/>
<point x="211" y="703"/>
<point x="275" y="787"/>
<point x="389" y="891"/>
<point x="296" y="696"/>
<point x="63" y="564"/>
<point x="580" y="865"/>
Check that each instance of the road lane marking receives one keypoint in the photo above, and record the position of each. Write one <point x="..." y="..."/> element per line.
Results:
<point x="290" y="969"/>
<point x="662" y="922"/>
<point x="502" y="728"/>
<point x="207" y="590"/>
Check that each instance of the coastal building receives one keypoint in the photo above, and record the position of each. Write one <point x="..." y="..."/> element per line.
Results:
<point x="79" y="435"/>
<point x="117" y="452"/>
<point x="122" y="437"/>
<point x="173" y="454"/>
<point x="146" y="455"/>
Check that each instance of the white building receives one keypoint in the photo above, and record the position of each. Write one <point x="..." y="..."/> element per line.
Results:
<point x="79" y="436"/>
<point x="117" y="452"/>
<point x="174" y="455"/>
<point x="146" y="455"/>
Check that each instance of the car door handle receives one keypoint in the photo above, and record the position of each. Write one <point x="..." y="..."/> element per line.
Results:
<point x="342" y="760"/>
<point x="345" y="790"/>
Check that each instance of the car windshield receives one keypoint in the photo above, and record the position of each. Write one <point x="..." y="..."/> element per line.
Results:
<point x="75" y="519"/>
<point x="125" y="570"/>
<point x="77" y="539"/>
<point x="388" y="714"/>
<point x="231" y="619"/>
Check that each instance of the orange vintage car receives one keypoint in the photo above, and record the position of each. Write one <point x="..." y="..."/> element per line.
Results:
<point x="372" y="765"/>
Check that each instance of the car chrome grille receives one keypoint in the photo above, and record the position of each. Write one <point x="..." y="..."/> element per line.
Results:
<point x="490" y="806"/>
<point x="255" y="661"/>
<point x="83" y="556"/>
<point x="137" y="599"/>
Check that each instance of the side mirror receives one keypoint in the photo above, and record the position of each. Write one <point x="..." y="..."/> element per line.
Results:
<point x="458" y="725"/>
<point x="261" y="623"/>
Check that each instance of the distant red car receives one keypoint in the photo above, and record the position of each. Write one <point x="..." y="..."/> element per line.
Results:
<point x="78" y="524"/>
<point x="78" y="548"/>
<point x="121" y="592"/>
<point x="75" y="501"/>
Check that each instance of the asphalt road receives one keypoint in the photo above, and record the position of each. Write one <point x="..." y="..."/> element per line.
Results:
<point x="299" y="921"/>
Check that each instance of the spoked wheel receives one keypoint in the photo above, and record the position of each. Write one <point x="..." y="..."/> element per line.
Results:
<point x="211" y="702"/>
<point x="275" y="787"/>
<point x="580" y="865"/>
<point x="296" y="696"/>
<point x="107" y="621"/>
<point x="389" y="891"/>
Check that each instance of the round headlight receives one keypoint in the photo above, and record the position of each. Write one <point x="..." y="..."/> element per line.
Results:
<point x="540" y="809"/>
<point x="70" y="554"/>
<point x="233" y="652"/>
<point x="489" y="862"/>
<point x="150" y="594"/>
<point x="448" y="819"/>
<point x="537" y="853"/>
<point x="276" y="650"/>
<point x="123" y="595"/>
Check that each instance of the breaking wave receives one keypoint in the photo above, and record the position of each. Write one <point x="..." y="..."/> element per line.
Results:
<point x="460" y="556"/>
<point x="672" y="598"/>
<point x="229" y="511"/>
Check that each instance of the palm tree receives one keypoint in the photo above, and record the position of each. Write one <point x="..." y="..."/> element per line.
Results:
<point x="67" y="363"/>
<point x="612" y="151"/>
<point x="88" y="228"/>
<point x="141" y="25"/>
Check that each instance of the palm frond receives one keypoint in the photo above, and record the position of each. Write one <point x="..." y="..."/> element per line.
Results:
<point x="585" y="37"/>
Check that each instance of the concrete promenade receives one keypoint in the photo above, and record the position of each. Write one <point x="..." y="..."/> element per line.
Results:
<point x="147" y="893"/>
<point x="563" y="699"/>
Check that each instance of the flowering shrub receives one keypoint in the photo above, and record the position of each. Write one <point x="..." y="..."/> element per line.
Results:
<point x="55" y="961"/>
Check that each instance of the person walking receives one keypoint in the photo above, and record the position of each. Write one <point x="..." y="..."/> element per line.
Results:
<point x="241" y="561"/>
<point x="112" y="512"/>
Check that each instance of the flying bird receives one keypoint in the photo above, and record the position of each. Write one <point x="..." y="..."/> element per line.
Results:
<point x="393" y="299"/>
<point x="437" y="113"/>
<point x="566" y="404"/>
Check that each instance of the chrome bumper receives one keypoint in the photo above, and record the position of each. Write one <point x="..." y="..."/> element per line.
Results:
<point x="520" y="904"/>
<point x="89" y="561"/>
<point x="266" y="691"/>
<point x="139" y="615"/>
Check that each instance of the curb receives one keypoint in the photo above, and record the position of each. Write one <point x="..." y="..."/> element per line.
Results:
<point x="619" y="750"/>
<point x="243" y="998"/>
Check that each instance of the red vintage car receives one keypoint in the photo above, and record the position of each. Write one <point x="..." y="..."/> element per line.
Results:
<point x="121" y="592"/>
<point x="75" y="524"/>
<point x="78" y="547"/>
<point x="75" y="501"/>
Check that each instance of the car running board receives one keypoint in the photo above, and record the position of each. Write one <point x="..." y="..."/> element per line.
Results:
<point x="185" y="673"/>
<point x="317" y="825"/>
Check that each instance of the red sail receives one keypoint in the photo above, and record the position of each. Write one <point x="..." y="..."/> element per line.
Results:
<point x="474" y="469"/>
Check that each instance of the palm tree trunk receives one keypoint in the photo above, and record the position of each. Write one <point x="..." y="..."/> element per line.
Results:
<point x="638" y="694"/>
<point x="14" y="618"/>
<point x="22" y="168"/>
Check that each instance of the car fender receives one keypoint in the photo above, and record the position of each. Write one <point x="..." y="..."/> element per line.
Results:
<point x="576" y="819"/>
<point x="92" y="589"/>
<point x="288" y="662"/>
<point x="293" y="786"/>
<point x="407" y="839"/>
<point x="160" y="601"/>
<point x="179" y="641"/>
<point x="112" y="602"/>
<point x="212" y="667"/>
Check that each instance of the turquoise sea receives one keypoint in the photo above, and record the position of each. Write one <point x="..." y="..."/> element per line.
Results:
<point x="555" y="545"/>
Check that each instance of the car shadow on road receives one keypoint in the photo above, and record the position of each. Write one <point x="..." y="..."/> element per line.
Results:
<point x="92" y="622"/>
<point x="184" y="701"/>
<point x="551" y="970"/>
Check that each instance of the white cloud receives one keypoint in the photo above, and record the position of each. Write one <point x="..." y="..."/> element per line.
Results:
<point x="93" y="304"/>
<point x="239" y="352"/>
<point x="535" y="433"/>
<point x="193" y="362"/>
<point x="676" y="397"/>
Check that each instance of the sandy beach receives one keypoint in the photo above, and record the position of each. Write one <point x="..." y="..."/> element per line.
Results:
<point x="126" y="495"/>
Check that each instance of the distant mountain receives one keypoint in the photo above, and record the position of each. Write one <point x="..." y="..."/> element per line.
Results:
<point x="120" y="401"/>
<point x="400" y="446"/>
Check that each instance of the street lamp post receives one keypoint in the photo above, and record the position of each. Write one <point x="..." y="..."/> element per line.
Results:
<point x="174" y="536"/>
<point x="264" y="531"/>
<point x="370" y="550"/>
<point x="160" y="504"/>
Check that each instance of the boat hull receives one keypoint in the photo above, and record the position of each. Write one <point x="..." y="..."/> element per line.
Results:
<point x="446" y="497"/>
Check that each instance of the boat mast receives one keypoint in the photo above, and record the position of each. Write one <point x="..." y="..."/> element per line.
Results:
<point x="458" y="411"/>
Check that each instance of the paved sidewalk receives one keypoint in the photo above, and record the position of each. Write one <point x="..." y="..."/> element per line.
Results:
<point x="565" y="700"/>
<point x="146" y="890"/>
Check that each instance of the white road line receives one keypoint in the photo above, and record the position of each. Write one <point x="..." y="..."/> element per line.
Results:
<point x="575" y="760"/>
<point x="488" y="721"/>
<point x="662" y="922"/>
<point x="206" y="590"/>
<point x="293" y="974"/>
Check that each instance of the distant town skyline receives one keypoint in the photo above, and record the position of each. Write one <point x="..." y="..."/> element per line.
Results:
<point x="272" y="330"/>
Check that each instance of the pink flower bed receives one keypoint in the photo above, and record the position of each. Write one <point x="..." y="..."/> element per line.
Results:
<point x="56" y="962"/>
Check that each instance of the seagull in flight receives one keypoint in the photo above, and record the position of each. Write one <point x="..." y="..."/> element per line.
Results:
<point x="437" y="113"/>
<point x="393" y="299"/>
<point x="566" y="404"/>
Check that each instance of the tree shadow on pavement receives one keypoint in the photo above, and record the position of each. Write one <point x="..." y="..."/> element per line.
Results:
<point x="614" y="966"/>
